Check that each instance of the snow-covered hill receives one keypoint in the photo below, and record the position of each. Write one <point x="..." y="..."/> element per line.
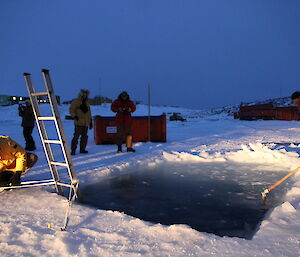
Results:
<point x="231" y="109"/>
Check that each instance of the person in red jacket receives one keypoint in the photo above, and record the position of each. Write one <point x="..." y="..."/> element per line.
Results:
<point x="123" y="106"/>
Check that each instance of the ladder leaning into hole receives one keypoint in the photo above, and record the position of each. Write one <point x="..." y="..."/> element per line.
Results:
<point x="72" y="182"/>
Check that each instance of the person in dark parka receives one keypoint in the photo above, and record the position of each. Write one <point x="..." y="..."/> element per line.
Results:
<point x="26" y="112"/>
<point x="123" y="106"/>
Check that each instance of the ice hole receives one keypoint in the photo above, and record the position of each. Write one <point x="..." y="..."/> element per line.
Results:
<point x="223" y="198"/>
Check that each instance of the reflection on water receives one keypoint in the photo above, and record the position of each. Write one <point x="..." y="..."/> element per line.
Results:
<point x="220" y="198"/>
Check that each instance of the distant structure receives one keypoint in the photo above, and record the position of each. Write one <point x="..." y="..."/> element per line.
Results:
<point x="6" y="100"/>
<point x="44" y="99"/>
<point x="98" y="100"/>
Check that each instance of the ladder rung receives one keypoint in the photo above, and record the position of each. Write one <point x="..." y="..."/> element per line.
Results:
<point x="39" y="181"/>
<point x="59" y="164"/>
<point x="29" y="185"/>
<point x="39" y="94"/>
<point x="46" y="118"/>
<point x="49" y="141"/>
<point x="64" y="184"/>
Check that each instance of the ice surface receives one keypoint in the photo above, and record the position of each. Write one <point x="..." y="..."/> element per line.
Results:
<point x="223" y="198"/>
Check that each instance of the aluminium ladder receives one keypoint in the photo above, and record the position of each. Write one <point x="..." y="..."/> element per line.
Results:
<point x="46" y="142"/>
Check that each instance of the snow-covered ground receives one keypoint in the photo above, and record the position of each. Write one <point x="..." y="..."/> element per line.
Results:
<point x="25" y="214"/>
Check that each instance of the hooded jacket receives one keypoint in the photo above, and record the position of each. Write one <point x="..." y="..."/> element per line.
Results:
<point x="124" y="116"/>
<point x="82" y="112"/>
<point x="12" y="155"/>
<point x="26" y="112"/>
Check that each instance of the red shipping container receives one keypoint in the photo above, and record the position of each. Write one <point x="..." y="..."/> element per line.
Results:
<point x="105" y="129"/>
<point x="257" y="114"/>
<point x="256" y="107"/>
<point x="287" y="113"/>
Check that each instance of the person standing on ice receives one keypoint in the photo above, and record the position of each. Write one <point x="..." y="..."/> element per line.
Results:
<point x="296" y="99"/>
<point x="123" y="106"/>
<point x="26" y="112"/>
<point x="14" y="162"/>
<point x="80" y="111"/>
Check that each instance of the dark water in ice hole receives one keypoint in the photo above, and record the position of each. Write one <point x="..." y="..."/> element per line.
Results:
<point x="219" y="198"/>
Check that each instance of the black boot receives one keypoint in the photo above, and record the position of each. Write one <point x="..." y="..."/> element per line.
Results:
<point x="30" y="148"/>
<point x="119" y="149"/>
<point x="5" y="177"/>
<point x="130" y="149"/>
<point x="84" y="151"/>
<point x="16" y="178"/>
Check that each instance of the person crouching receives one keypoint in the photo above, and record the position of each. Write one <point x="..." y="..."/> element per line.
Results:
<point x="123" y="106"/>
<point x="14" y="162"/>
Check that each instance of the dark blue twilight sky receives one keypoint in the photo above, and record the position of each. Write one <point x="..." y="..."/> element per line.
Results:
<point x="194" y="53"/>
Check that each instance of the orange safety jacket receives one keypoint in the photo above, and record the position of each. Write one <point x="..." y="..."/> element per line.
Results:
<point x="12" y="155"/>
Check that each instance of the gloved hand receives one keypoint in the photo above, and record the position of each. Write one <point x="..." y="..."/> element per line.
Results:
<point x="121" y="109"/>
<point x="16" y="178"/>
<point x="76" y="118"/>
<point x="129" y="109"/>
<point x="91" y="125"/>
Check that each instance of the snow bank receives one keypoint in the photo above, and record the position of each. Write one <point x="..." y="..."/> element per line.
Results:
<point x="24" y="214"/>
<point x="255" y="153"/>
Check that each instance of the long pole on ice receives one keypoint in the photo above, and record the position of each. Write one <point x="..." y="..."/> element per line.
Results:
<point x="149" y="113"/>
<point x="266" y="191"/>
